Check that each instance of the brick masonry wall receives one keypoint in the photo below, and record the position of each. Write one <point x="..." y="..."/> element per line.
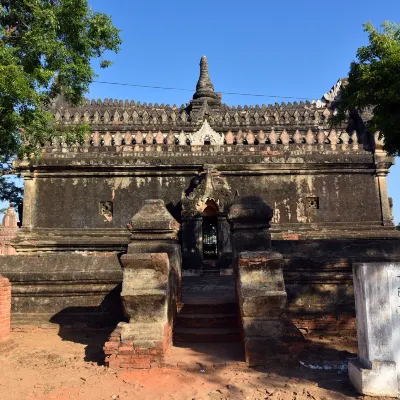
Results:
<point x="5" y="308"/>
<point x="341" y="324"/>
<point x="120" y="354"/>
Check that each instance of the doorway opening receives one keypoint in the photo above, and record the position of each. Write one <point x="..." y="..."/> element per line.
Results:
<point x="210" y="231"/>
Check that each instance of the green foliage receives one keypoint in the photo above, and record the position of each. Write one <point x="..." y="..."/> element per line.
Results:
<point x="398" y="226"/>
<point x="46" y="47"/>
<point x="374" y="84"/>
<point x="10" y="191"/>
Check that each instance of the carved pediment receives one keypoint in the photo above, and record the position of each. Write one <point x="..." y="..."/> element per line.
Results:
<point x="208" y="185"/>
<point x="206" y="133"/>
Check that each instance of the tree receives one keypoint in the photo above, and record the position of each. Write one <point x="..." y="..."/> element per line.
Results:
<point x="374" y="84"/>
<point x="46" y="47"/>
<point x="398" y="226"/>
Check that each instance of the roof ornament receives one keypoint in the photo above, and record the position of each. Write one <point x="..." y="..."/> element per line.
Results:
<point x="206" y="133"/>
<point x="204" y="87"/>
<point x="331" y="96"/>
<point x="334" y="93"/>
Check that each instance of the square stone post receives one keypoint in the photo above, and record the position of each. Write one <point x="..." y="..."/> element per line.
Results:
<point x="260" y="286"/>
<point x="29" y="201"/>
<point x="192" y="234"/>
<point x="377" y="299"/>
<point x="150" y="290"/>
<point x="262" y="299"/>
<point x="382" y="163"/>
<point x="250" y="218"/>
<point x="192" y="242"/>
<point x="224" y="236"/>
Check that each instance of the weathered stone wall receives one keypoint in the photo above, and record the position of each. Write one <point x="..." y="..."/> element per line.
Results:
<point x="75" y="201"/>
<point x="78" y="288"/>
<point x="69" y="289"/>
<point x="319" y="282"/>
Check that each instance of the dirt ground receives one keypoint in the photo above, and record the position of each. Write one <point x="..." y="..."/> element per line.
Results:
<point x="47" y="364"/>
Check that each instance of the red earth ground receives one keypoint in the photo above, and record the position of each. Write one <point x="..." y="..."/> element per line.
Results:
<point x="47" y="364"/>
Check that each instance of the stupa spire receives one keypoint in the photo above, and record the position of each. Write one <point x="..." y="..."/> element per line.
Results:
<point x="10" y="218"/>
<point x="204" y="87"/>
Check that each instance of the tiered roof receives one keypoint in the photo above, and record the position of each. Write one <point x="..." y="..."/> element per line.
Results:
<point x="118" y="115"/>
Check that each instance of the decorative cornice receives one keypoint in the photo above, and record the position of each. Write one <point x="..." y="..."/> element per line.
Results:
<point x="117" y="115"/>
<point x="317" y="139"/>
<point x="230" y="162"/>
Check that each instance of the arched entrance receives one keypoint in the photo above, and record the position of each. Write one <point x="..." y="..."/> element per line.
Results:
<point x="205" y="229"/>
<point x="210" y="231"/>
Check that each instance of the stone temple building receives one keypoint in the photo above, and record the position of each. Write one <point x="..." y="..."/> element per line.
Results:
<point x="326" y="188"/>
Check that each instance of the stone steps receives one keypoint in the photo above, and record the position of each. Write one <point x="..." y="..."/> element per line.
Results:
<point x="208" y="312"/>
<point x="206" y="335"/>
<point x="207" y="323"/>
<point x="211" y="307"/>
<point x="211" y="272"/>
<point x="207" y="320"/>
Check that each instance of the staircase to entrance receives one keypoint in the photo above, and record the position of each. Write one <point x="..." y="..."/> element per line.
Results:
<point x="208" y="312"/>
<point x="206" y="330"/>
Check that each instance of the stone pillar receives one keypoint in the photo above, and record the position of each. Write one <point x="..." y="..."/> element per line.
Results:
<point x="192" y="242"/>
<point x="250" y="218"/>
<point x="154" y="230"/>
<point x="383" y="162"/>
<point x="262" y="299"/>
<point x="260" y="287"/>
<point x="192" y="234"/>
<point x="150" y="290"/>
<point x="29" y="198"/>
<point x="384" y="198"/>
<point x="376" y="297"/>
<point x="5" y="309"/>
<point x="224" y="236"/>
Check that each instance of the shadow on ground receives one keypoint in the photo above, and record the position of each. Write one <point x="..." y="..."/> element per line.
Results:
<point x="91" y="326"/>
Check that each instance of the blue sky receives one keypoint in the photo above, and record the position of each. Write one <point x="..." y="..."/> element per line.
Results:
<point x="286" y="48"/>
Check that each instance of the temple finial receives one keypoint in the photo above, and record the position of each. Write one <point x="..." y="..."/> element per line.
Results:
<point x="204" y="87"/>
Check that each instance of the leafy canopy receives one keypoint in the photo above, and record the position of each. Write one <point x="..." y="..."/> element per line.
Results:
<point x="374" y="84"/>
<point x="46" y="47"/>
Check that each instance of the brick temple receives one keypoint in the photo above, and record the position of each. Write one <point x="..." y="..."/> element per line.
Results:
<point x="267" y="205"/>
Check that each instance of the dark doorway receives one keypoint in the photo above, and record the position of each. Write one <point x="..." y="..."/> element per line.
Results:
<point x="210" y="238"/>
<point x="210" y="231"/>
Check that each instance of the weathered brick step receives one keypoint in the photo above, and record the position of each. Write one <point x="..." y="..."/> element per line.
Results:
<point x="208" y="308"/>
<point x="206" y="335"/>
<point x="207" y="320"/>
<point x="210" y="272"/>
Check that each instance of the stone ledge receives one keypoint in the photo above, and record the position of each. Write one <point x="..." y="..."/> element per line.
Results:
<point x="380" y="380"/>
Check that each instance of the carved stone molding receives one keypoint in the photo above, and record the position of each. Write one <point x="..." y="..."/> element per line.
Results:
<point x="206" y="133"/>
<point x="334" y="93"/>
<point x="208" y="185"/>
